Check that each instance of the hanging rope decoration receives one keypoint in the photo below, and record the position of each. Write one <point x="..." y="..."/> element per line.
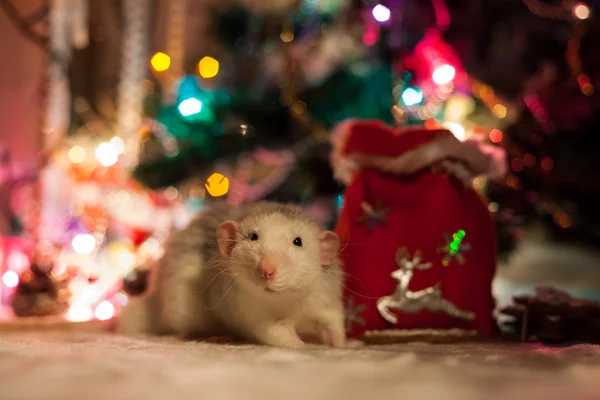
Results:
<point x="242" y="191"/>
<point x="442" y="14"/>
<point x="289" y="98"/>
<point x="565" y="12"/>
<point x="544" y="10"/>
<point x="175" y="46"/>
<point x="573" y="49"/>
<point x="26" y="25"/>
<point x="133" y="67"/>
<point x="68" y="30"/>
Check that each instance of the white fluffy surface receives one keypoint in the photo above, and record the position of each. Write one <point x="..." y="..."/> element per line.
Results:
<point x="77" y="365"/>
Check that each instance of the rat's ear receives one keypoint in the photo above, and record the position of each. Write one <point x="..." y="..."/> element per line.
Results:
<point x="329" y="244"/>
<point x="226" y="237"/>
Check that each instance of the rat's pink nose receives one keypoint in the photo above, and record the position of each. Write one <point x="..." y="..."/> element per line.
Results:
<point x="268" y="269"/>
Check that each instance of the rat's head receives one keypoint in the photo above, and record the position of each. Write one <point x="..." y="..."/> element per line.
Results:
<point x="277" y="251"/>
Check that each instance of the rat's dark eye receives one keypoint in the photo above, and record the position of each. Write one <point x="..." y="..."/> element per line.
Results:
<point x="298" y="242"/>
<point x="254" y="236"/>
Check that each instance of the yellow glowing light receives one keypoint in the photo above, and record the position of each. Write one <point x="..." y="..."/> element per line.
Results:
<point x="171" y="193"/>
<point x="287" y="36"/>
<point x="151" y="248"/>
<point x="208" y="67"/>
<point x="76" y="154"/>
<point x="104" y="311"/>
<point x="499" y="111"/>
<point x="160" y="62"/>
<point x="122" y="257"/>
<point x="587" y="89"/>
<point x="457" y="130"/>
<point x="107" y="154"/>
<point x="581" y="11"/>
<point x="217" y="185"/>
<point x="125" y="261"/>
<point x="118" y="144"/>
<point x="564" y="220"/>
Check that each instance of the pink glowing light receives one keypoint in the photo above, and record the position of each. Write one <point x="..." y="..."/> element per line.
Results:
<point x="17" y="261"/>
<point x="10" y="279"/>
<point x="444" y="74"/>
<point x="371" y="35"/>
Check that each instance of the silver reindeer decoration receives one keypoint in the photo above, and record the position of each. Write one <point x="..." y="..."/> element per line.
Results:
<point x="408" y="301"/>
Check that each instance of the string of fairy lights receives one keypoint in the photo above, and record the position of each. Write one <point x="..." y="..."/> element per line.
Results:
<point x="578" y="14"/>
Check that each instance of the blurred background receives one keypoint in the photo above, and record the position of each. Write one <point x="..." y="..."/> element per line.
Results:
<point x="120" y="119"/>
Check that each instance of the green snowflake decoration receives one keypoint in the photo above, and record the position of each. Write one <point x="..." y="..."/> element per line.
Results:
<point x="454" y="248"/>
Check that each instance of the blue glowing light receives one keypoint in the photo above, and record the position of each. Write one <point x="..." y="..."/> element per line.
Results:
<point x="412" y="96"/>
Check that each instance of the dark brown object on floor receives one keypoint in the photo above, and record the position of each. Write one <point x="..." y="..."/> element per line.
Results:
<point x="553" y="316"/>
<point x="136" y="283"/>
<point x="391" y="336"/>
<point x="39" y="293"/>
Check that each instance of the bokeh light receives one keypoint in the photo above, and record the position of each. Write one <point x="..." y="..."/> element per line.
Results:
<point x="79" y="312"/>
<point x="76" y="154"/>
<point x="444" y="74"/>
<point x="160" y="62"/>
<point x="457" y="130"/>
<point x="499" y="111"/>
<point x="412" y="96"/>
<point x="217" y="185"/>
<point x="119" y="144"/>
<point x="107" y="154"/>
<point x="581" y="11"/>
<point x="286" y="36"/>
<point x="381" y="13"/>
<point x="104" y="311"/>
<point x="83" y="243"/>
<point x="10" y="279"/>
<point x="547" y="164"/>
<point x="17" y="261"/>
<point x="189" y="107"/>
<point x="496" y="135"/>
<point x="208" y="67"/>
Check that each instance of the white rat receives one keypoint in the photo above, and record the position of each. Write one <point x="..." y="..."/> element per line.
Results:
<point x="263" y="272"/>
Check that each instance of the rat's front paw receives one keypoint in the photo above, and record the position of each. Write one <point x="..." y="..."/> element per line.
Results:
<point x="333" y="338"/>
<point x="292" y="344"/>
<point x="332" y="332"/>
<point x="280" y="335"/>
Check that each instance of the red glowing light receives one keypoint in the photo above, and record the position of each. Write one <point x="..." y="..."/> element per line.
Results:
<point x="529" y="160"/>
<point x="517" y="164"/>
<point x="496" y="135"/>
<point x="547" y="164"/>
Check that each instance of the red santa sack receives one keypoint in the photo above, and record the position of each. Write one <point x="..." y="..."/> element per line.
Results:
<point x="418" y="247"/>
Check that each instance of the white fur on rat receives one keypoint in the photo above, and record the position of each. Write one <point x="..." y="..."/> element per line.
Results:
<point x="263" y="272"/>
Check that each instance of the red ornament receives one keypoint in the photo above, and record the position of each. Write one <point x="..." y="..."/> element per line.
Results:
<point x="432" y="264"/>
<point x="137" y="235"/>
